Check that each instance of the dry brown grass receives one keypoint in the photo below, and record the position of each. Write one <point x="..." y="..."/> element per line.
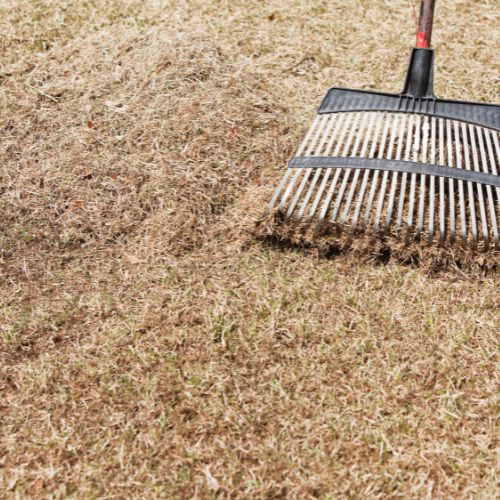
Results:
<point x="149" y="344"/>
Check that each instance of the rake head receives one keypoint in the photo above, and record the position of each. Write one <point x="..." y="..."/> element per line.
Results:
<point x="412" y="165"/>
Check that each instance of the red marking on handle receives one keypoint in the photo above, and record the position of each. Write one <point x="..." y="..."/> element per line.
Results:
<point x="422" y="40"/>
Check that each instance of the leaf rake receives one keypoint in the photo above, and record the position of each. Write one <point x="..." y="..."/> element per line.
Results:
<point x="408" y="164"/>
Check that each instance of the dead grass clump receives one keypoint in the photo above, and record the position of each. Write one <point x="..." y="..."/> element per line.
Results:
<point x="368" y="247"/>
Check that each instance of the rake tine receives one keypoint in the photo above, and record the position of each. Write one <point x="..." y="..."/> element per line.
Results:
<point x="329" y="195"/>
<point x="458" y="154"/>
<point x="411" y="208"/>
<point x="371" y="195"/>
<point x="385" y="176"/>
<point x="402" y="193"/>
<point x="395" y="174"/>
<point x="277" y="191"/>
<point x="367" y="173"/>
<point x="497" y="148"/>
<point x="309" y="149"/>
<point x="470" y="187"/>
<point x="307" y="172"/>
<point x="289" y="189"/>
<point x="493" y="165"/>
<point x="347" y="171"/>
<point x="354" y="183"/>
<point x="489" y="191"/>
<point x="432" y="182"/>
<point x="326" y="176"/>
<point x="494" y="170"/>
<point x="484" y="220"/>
<point x="442" y="213"/>
<point x="288" y="172"/>
<point x="451" y="184"/>
<point x="421" y="205"/>
<point x="319" y="171"/>
<point x="312" y="184"/>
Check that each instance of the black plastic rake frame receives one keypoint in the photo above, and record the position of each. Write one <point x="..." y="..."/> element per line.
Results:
<point x="417" y="97"/>
<point x="444" y="157"/>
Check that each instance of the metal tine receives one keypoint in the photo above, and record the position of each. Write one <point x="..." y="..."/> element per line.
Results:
<point x="289" y="189"/>
<point x="470" y="187"/>
<point x="382" y="118"/>
<point x="354" y="182"/>
<point x="308" y="171"/>
<point x="492" y="155"/>
<point x="413" y="183"/>
<point x="347" y="171"/>
<point x="432" y="182"/>
<point x="329" y="195"/>
<point x="404" y="177"/>
<point x="497" y="148"/>
<point x="385" y="176"/>
<point x="319" y="171"/>
<point x="482" y="209"/>
<point x="345" y="128"/>
<point x="489" y="191"/>
<point x="374" y="184"/>
<point x="277" y="191"/>
<point x="299" y="171"/>
<point x="451" y="184"/>
<point x="493" y="163"/>
<point x="458" y="154"/>
<point x="392" y="194"/>
<point x="289" y="171"/>
<point x="423" y="180"/>
<point x="441" y="161"/>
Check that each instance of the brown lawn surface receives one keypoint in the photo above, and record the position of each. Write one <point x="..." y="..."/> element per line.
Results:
<point x="150" y="344"/>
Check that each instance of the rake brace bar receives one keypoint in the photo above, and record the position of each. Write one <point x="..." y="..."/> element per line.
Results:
<point x="395" y="166"/>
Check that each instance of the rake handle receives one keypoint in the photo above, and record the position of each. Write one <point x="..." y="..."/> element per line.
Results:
<point x="424" y="34"/>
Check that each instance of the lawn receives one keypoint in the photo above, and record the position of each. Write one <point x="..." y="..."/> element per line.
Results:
<point x="151" y="343"/>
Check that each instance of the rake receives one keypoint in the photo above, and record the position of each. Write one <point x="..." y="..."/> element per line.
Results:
<point x="409" y="164"/>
